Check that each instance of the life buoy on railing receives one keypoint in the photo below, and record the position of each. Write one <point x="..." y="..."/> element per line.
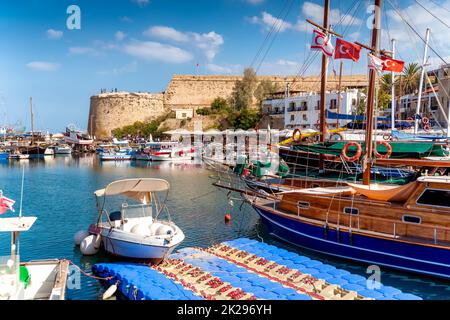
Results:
<point x="297" y="135"/>
<point x="425" y="121"/>
<point x="383" y="156"/>
<point x="426" y="127"/>
<point x="336" y="137"/>
<point x="356" y="156"/>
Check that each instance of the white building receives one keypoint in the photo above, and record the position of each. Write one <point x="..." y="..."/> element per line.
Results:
<point x="302" y="111"/>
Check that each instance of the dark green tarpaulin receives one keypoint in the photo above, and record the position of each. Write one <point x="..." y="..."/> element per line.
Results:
<point x="400" y="150"/>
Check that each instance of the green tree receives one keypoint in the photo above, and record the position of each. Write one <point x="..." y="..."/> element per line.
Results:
<point x="245" y="119"/>
<point x="264" y="89"/>
<point x="410" y="78"/>
<point x="242" y="96"/>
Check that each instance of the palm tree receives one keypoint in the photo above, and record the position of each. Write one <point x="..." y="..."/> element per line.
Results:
<point x="410" y="78"/>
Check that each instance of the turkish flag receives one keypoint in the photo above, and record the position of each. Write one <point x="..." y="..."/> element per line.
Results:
<point x="393" y="65"/>
<point x="6" y="204"/>
<point x="322" y="42"/>
<point x="346" y="50"/>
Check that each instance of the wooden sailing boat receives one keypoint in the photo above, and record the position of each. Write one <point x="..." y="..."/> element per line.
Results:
<point x="405" y="227"/>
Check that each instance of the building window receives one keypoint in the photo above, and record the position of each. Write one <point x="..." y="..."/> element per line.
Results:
<point x="184" y="115"/>
<point x="333" y="104"/>
<point x="292" y="118"/>
<point x="318" y="105"/>
<point x="305" y="117"/>
<point x="303" y="205"/>
<point x="304" y="106"/>
<point x="353" y="102"/>
<point x="352" y="211"/>
<point x="437" y="198"/>
<point x="412" y="219"/>
<point x="292" y="106"/>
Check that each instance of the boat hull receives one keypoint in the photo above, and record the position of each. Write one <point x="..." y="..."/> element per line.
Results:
<point x="422" y="259"/>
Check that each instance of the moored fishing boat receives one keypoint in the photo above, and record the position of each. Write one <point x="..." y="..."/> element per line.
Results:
<point x="136" y="231"/>
<point x="33" y="280"/>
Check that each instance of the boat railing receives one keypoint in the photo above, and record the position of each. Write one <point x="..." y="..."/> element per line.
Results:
<point x="399" y="229"/>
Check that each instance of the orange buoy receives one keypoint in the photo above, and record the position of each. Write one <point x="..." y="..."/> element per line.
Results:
<point x="383" y="156"/>
<point x="347" y="147"/>
<point x="227" y="218"/>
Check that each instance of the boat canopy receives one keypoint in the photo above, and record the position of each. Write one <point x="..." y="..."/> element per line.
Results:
<point x="382" y="192"/>
<point x="138" y="189"/>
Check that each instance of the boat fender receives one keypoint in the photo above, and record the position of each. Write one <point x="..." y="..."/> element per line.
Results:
<point x="110" y="292"/>
<point x="164" y="231"/>
<point x="356" y="156"/>
<point x="297" y="135"/>
<point x="79" y="236"/>
<point x="227" y="218"/>
<point x="88" y="245"/>
<point x="140" y="229"/>
<point x="383" y="156"/>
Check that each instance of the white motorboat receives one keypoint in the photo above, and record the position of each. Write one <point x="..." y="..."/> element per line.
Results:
<point x="18" y="156"/>
<point x="136" y="231"/>
<point x="63" y="149"/>
<point x="34" y="280"/>
<point x="170" y="151"/>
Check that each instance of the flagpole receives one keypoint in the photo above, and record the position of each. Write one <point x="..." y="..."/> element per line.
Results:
<point x="367" y="165"/>
<point x="393" y="90"/>
<point x="339" y="94"/>
<point x="21" y="191"/>
<point x="422" y="74"/>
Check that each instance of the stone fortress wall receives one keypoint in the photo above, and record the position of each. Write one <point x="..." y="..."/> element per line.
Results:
<point x="109" y="111"/>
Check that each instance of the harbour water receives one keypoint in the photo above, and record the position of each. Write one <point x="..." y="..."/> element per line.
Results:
<point x="59" y="191"/>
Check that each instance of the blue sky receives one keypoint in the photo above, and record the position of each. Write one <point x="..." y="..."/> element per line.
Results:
<point x="137" y="45"/>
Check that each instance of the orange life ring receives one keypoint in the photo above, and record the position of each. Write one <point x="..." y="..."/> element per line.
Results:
<point x="383" y="156"/>
<point x="426" y="127"/>
<point x="425" y="120"/>
<point x="356" y="156"/>
<point x="297" y="135"/>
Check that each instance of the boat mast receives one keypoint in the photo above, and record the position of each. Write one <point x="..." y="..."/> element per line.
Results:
<point x="323" y="85"/>
<point x="32" y="120"/>
<point x="393" y="90"/>
<point x="367" y="166"/>
<point x="339" y="102"/>
<point x="422" y="74"/>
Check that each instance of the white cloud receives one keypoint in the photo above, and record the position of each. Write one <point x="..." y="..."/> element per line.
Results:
<point x="280" y="67"/>
<point x="166" y="33"/>
<point x="126" y="19"/>
<point x="43" y="66"/>
<point x="409" y="46"/>
<point x="54" y="34"/>
<point x="269" y="22"/>
<point x="209" y="43"/>
<point x="315" y="12"/>
<point x="120" y="35"/>
<point x="150" y="50"/>
<point x="141" y="3"/>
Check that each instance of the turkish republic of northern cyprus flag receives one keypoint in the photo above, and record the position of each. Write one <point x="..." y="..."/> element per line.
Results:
<point x="346" y="50"/>
<point x="322" y="42"/>
<point x="393" y="65"/>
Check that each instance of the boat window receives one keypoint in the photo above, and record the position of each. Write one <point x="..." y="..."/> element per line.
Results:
<point x="303" y="205"/>
<point x="352" y="211"/>
<point x="412" y="219"/>
<point x="433" y="197"/>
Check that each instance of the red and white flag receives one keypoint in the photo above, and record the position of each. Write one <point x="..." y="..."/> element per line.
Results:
<point x="375" y="63"/>
<point x="322" y="42"/>
<point x="346" y="50"/>
<point x="393" y="65"/>
<point x="6" y="204"/>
